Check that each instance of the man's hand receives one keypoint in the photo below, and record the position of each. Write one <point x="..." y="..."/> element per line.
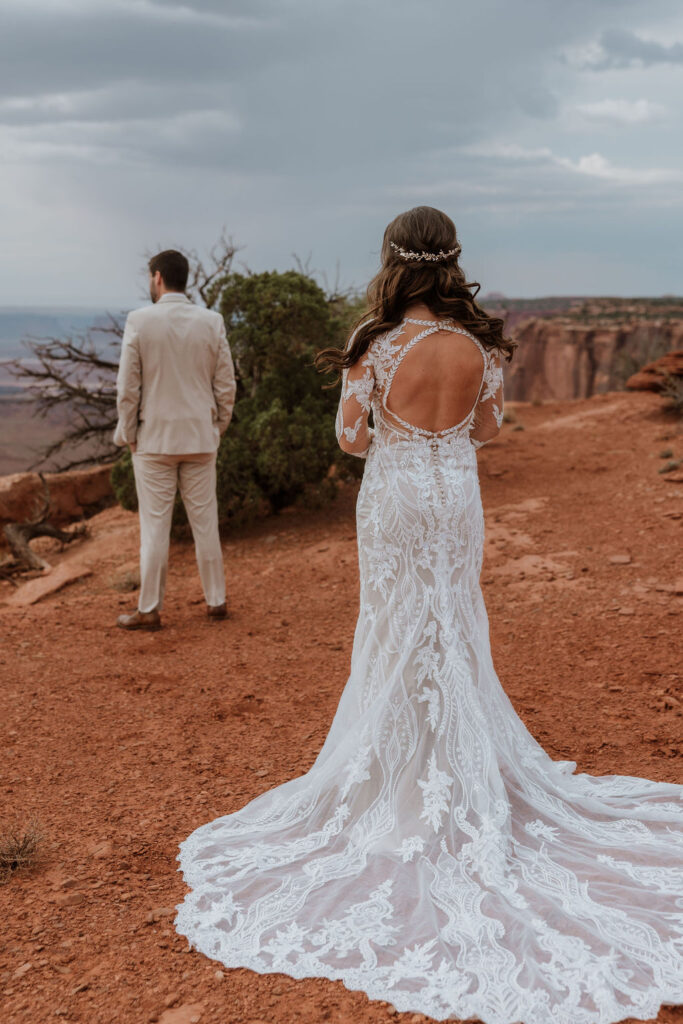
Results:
<point x="133" y="448"/>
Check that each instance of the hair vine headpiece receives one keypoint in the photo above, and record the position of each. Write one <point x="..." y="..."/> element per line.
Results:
<point x="423" y="256"/>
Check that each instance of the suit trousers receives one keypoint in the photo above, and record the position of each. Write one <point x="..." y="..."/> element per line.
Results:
<point x="157" y="479"/>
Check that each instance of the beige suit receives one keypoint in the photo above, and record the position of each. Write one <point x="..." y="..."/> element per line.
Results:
<point x="175" y="394"/>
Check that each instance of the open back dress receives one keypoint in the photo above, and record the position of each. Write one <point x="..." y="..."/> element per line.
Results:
<point x="434" y="855"/>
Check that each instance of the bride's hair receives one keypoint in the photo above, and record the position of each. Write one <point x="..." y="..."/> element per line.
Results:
<point x="419" y="264"/>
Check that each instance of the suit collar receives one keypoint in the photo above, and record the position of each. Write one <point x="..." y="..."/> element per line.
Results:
<point x="172" y="297"/>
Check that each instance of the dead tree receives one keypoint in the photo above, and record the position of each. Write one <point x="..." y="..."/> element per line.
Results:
<point x="19" y="536"/>
<point x="206" y="278"/>
<point x="76" y="374"/>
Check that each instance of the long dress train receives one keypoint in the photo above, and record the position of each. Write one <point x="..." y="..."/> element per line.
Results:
<point x="434" y="855"/>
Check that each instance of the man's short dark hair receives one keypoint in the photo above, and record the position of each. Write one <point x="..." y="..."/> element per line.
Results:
<point x="173" y="267"/>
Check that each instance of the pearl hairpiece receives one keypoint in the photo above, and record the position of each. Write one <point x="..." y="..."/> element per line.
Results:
<point x="423" y="256"/>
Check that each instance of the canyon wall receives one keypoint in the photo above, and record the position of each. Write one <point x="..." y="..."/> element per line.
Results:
<point x="560" y="359"/>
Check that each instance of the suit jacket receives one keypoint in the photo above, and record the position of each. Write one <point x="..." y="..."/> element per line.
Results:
<point x="175" y="389"/>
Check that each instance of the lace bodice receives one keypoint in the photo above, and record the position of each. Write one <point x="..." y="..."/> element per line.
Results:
<point x="366" y="387"/>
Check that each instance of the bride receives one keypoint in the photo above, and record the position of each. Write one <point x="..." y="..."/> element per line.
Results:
<point x="434" y="855"/>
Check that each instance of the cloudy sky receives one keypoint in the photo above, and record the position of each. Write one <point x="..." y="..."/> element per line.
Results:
<point x="551" y="131"/>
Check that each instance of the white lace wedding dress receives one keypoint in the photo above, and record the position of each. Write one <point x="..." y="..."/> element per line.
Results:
<point x="434" y="855"/>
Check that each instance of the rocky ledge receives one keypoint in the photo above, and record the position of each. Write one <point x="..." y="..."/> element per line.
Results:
<point x="654" y="376"/>
<point x="73" y="494"/>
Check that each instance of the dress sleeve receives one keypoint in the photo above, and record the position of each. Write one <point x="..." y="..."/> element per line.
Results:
<point x="488" y="416"/>
<point x="358" y="383"/>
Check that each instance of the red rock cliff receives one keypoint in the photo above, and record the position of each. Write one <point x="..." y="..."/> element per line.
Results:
<point x="559" y="360"/>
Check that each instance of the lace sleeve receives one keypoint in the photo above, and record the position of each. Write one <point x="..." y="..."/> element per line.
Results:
<point x="488" y="417"/>
<point x="358" y="383"/>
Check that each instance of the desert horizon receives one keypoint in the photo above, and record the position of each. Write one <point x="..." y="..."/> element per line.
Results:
<point x="25" y="435"/>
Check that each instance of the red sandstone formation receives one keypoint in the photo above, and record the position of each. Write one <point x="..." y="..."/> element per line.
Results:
<point x="73" y="494"/>
<point x="559" y="359"/>
<point x="653" y="376"/>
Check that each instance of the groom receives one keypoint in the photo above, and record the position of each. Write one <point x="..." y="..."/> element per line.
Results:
<point x="175" y="393"/>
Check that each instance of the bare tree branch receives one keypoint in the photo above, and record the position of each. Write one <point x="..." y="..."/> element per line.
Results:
<point x="74" y="374"/>
<point x="335" y="293"/>
<point x="18" y="536"/>
<point x="204" y="280"/>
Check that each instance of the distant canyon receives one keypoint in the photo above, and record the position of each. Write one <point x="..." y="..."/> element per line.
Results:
<point x="568" y="348"/>
<point x="590" y="348"/>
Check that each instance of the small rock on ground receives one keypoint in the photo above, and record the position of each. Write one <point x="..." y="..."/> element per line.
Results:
<point x="188" y="1013"/>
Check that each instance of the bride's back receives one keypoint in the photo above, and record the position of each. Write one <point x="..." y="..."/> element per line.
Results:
<point x="436" y="379"/>
<point x="423" y="378"/>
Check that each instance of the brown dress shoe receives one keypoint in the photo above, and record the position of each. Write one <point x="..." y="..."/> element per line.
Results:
<point x="217" y="611"/>
<point x="140" y="620"/>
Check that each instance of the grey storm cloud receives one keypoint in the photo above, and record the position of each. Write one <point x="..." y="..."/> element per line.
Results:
<point x="72" y="48"/>
<point x="328" y="80"/>
<point x="304" y="125"/>
<point x="619" y="48"/>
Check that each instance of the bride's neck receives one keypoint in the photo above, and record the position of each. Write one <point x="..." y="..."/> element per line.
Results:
<point x="418" y="311"/>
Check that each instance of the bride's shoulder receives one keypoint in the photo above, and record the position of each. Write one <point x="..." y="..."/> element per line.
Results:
<point x="381" y="347"/>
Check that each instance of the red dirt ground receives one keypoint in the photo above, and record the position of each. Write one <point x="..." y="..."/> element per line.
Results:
<point x="120" y="745"/>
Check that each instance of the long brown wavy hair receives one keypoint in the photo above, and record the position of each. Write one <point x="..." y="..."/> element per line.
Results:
<point x="400" y="283"/>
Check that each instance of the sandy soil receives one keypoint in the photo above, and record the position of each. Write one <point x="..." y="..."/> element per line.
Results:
<point x="121" y="744"/>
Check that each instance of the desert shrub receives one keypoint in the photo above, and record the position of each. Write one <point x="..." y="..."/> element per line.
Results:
<point x="281" y="443"/>
<point x="666" y="453"/>
<point x="123" y="482"/>
<point x="20" y="848"/>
